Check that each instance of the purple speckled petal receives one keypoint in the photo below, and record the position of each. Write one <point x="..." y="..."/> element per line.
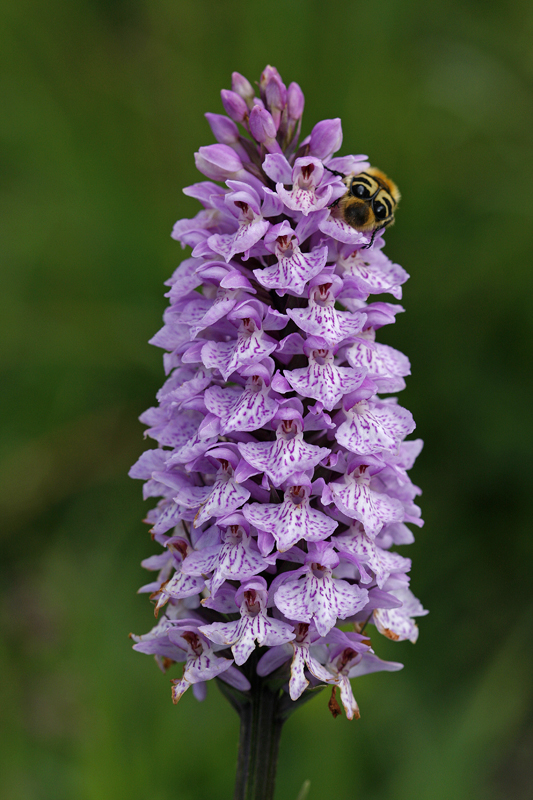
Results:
<point x="373" y="273"/>
<point x="293" y="271"/>
<point x="351" y="709"/>
<point x="243" y="239"/>
<point x="371" y="428"/>
<point x="298" y="682"/>
<point x="193" y="496"/>
<point x="181" y="585"/>
<point x="322" y="599"/>
<point x="203" y="561"/>
<point x="356" y="499"/>
<point x="230" y="561"/>
<point x="303" y="199"/>
<point x="302" y="658"/>
<point x="237" y="561"/>
<point x="320" y="672"/>
<point x="282" y="458"/>
<point x="277" y="632"/>
<point x="184" y="383"/>
<point x="244" y="632"/>
<point x="223" y="632"/>
<point x="196" y="446"/>
<point x="247" y="349"/>
<point x="307" y="193"/>
<point x="324" y="382"/>
<point x="397" y="623"/>
<point x="220" y="308"/>
<point x="221" y="401"/>
<point x="255" y="630"/>
<point x="241" y="409"/>
<point x="384" y="364"/>
<point x="381" y="562"/>
<point x="200" y="668"/>
<point x="288" y="522"/>
<point x="326" y="321"/>
<point x="224" y="498"/>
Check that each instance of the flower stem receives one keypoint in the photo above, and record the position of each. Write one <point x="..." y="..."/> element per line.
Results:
<point x="261" y="724"/>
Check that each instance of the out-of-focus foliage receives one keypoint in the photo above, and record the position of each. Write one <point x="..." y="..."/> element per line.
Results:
<point x="102" y="107"/>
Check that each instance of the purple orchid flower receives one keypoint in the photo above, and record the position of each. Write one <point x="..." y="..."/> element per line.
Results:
<point x="253" y="626"/>
<point x="322" y="379"/>
<point x="288" y="454"/>
<point x="348" y="658"/>
<point x="313" y="187"/>
<point x="294" y="268"/>
<point x="312" y="593"/>
<point x="291" y="520"/>
<point x="281" y="471"/>
<point x="397" y="623"/>
<point x="236" y="558"/>
<point x="321" y="318"/>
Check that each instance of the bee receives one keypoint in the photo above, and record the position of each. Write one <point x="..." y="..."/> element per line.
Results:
<point x="369" y="202"/>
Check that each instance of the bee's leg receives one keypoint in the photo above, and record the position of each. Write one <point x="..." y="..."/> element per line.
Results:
<point x="371" y="242"/>
<point x="334" y="172"/>
<point x="339" y="175"/>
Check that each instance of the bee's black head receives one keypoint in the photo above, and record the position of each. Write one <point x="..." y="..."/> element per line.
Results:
<point x="357" y="213"/>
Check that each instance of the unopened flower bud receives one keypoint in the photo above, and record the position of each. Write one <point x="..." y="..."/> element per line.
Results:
<point x="218" y="162"/>
<point x="224" y="129"/>
<point x="269" y="74"/>
<point x="326" y="138"/>
<point x="274" y="94"/>
<point x="226" y="132"/>
<point x="234" y="105"/>
<point x="291" y="118"/>
<point x="295" y="101"/>
<point x="263" y="129"/>
<point x="241" y="86"/>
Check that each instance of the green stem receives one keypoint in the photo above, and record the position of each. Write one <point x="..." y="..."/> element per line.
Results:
<point x="262" y="709"/>
<point x="261" y="724"/>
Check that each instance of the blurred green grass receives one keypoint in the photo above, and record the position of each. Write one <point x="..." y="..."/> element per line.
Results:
<point x="102" y="109"/>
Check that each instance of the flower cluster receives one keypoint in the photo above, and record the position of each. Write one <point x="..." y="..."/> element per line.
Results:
<point x="282" y="469"/>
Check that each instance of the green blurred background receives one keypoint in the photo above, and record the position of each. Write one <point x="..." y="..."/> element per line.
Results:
<point x="102" y="106"/>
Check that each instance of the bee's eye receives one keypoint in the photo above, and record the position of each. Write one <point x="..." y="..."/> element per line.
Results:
<point x="359" y="190"/>
<point x="380" y="211"/>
